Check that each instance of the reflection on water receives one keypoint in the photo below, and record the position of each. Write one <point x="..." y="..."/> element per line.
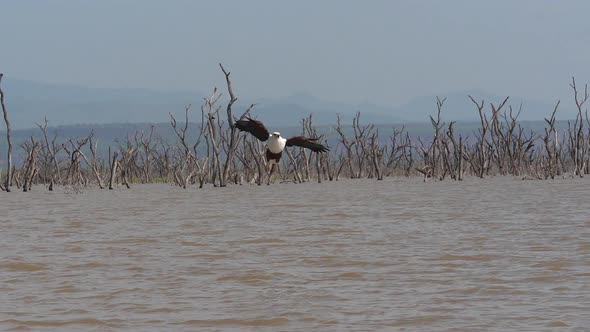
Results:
<point x="493" y="254"/>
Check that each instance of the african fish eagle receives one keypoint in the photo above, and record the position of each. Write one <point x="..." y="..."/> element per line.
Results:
<point x="276" y="144"/>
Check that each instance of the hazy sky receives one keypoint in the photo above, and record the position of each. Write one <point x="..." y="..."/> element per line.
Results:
<point x="382" y="51"/>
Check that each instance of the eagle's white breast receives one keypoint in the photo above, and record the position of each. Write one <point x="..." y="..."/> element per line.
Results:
<point x="276" y="144"/>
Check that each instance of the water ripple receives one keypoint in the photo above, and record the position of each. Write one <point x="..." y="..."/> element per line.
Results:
<point x="486" y="254"/>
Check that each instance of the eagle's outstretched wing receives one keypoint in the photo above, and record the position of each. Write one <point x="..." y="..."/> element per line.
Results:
<point x="308" y="143"/>
<point x="254" y="127"/>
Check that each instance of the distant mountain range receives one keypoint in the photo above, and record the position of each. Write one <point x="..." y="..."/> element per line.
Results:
<point x="29" y="102"/>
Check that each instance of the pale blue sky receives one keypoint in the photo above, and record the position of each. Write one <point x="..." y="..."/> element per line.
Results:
<point x="386" y="52"/>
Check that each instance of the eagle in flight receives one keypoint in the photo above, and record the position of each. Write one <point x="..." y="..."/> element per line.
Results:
<point x="275" y="143"/>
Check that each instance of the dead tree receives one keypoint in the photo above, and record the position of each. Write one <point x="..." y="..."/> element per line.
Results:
<point x="231" y="144"/>
<point x="30" y="165"/>
<point x="305" y="156"/>
<point x="257" y="154"/>
<point x="183" y="162"/>
<point x="145" y="144"/>
<point x="481" y="159"/>
<point x="394" y="152"/>
<point x="460" y="160"/>
<point x="505" y="140"/>
<point x="114" y="163"/>
<point x="426" y="169"/>
<point x="201" y="166"/>
<point x="163" y="161"/>
<point x="578" y="144"/>
<point x="328" y="161"/>
<point x="435" y="149"/>
<point x="214" y="128"/>
<point x="454" y="165"/>
<point x="361" y="147"/>
<point x="51" y="149"/>
<point x="523" y="150"/>
<point x="8" y="181"/>
<point x="310" y="131"/>
<point x="75" y="175"/>
<point x="187" y="165"/>
<point x="407" y="154"/>
<point x="94" y="163"/>
<point x="357" y="151"/>
<point x="377" y="155"/>
<point x="298" y="178"/>
<point x="233" y="135"/>
<point x="347" y="159"/>
<point x="248" y="161"/>
<point x="478" y="162"/>
<point x="127" y="163"/>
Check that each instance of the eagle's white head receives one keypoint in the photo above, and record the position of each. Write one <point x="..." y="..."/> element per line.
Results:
<point x="276" y="144"/>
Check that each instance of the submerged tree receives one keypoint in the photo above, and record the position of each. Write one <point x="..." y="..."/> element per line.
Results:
<point x="9" y="170"/>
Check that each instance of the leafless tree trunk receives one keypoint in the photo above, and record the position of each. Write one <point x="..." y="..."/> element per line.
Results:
<point x="146" y="157"/>
<point x="310" y="131"/>
<point x="75" y="175"/>
<point x="435" y="149"/>
<point x="233" y="134"/>
<point x="8" y="181"/>
<point x="328" y="162"/>
<point x="551" y="146"/>
<point x="127" y="161"/>
<point x="297" y="173"/>
<point x="94" y="164"/>
<point x="460" y="160"/>
<point x="578" y="143"/>
<point x="257" y="154"/>
<point x="454" y="165"/>
<point x="361" y="147"/>
<point x="481" y="161"/>
<point x="113" y="170"/>
<point x="30" y="167"/>
<point x="348" y="146"/>
<point x="376" y="155"/>
<point x="188" y="164"/>
<point x="52" y="150"/>
<point x="212" y="112"/>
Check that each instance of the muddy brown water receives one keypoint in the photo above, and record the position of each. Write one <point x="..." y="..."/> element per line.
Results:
<point x="484" y="255"/>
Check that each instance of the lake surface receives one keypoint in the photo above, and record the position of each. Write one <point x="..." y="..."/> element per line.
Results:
<point x="484" y="255"/>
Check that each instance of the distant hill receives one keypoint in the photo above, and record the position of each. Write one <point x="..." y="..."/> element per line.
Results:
<point x="458" y="107"/>
<point x="288" y="111"/>
<point x="29" y="102"/>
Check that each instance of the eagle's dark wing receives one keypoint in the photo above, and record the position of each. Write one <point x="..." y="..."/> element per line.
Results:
<point x="309" y="143"/>
<point x="254" y="127"/>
